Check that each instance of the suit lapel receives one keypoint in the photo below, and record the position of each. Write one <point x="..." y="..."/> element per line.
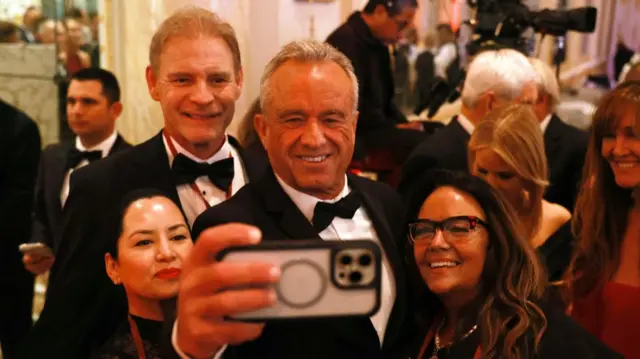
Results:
<point x="149" y="167"/>
<point x="282" y="209"/>
<point x="58" y="170"/>
<point x="552" y="137"/>
<point x="119" y="145"/>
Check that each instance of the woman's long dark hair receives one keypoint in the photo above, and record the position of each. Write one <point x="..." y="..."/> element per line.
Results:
<point x="513" y="279"/>
<point x="602" y="208"/>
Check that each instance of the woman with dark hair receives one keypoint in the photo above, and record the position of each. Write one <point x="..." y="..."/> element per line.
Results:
<point x="153" y="240"/>
<point x="476" y="284"/>
<point x="603" y="280"/>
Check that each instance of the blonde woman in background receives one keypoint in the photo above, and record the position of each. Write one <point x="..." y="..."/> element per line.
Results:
<point x="507" y="150"/>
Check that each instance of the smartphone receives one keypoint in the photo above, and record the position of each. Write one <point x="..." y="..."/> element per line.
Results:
<point x="39" y="249"/>
<point x="320" y="279"/>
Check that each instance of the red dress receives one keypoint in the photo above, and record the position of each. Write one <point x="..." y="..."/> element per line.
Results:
<point x="613" y="315"/>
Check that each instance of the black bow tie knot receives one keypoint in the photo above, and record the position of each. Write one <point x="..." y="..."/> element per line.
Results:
<point x="186" y="171"/>
<point x="324" y="213"/>
<point x="76" y="156"/>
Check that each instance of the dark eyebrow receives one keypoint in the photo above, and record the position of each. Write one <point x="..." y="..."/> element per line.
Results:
<point x="177" y="226"/>
<point x="82" y="98"/>
<point x="142" y="231"/>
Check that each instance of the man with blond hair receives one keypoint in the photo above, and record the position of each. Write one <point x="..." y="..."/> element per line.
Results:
<point x="309" y="101"/>
<point x="565" y="145"/>
<point x="494" y="77"/>
<point x="196" y="75"/>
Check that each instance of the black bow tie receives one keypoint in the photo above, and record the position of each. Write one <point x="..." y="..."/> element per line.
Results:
<point x="186" y="171"/>
<point x="76" y="156"/>
<point x="324" y="213"/>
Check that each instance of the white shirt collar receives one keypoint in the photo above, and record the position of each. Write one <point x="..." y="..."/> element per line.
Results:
<point x="223" y="153"/>
<point x="307" y="203"/>
<point x="545" y="123"/>
<point x="466" y="124"/>
<point x="104" y="146"/>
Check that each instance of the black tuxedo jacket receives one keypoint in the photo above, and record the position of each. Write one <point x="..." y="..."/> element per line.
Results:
<point x="566" y="147"/>
<point x="265" y="205"/>
<point x="47" y="210"/>
<point x="83" y="307"/>
<point x="445" y="149"/>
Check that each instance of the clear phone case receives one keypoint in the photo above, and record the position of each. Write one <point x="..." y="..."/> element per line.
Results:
<point x="319" y="278"/>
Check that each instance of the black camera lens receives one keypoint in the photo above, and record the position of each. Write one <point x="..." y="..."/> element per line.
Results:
<point x="364" y="260"/>
<point x="346" y="259"/>
<point x="355" y="277"/>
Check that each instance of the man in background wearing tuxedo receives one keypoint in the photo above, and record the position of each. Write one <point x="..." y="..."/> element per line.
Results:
<point x="19" y="156"/>
<point x="309" y="96"/>
<point x="494" y="77"/>
<point x="195" y="73"/>
<point x="93" y="106"/>
<point x="564" y="145"/>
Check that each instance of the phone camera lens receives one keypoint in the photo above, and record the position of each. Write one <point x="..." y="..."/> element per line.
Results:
<point x="355" y="277"/>
<point x="346" y="259"/>
<point x="364" y="260"/>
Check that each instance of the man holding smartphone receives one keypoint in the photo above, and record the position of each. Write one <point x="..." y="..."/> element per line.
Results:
<point x="309" y="98"/>
<point x="93" y="106"/>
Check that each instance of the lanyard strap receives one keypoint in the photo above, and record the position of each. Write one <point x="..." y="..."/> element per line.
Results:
<point x="429" y="337"/>
<point x="194" y="186"/>
<point x="137" y="339"/>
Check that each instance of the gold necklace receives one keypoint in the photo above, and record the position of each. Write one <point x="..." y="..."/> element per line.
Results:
<point x="437" y="347"/>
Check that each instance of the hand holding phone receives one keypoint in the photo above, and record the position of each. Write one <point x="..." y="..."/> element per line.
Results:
<point x="211" y="290"/>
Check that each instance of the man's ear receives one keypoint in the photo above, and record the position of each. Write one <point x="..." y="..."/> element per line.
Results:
<point x="115" y="110"/>
<point x="356" y="114"/>
<point x="239" y="82"/>
<point x="152" y="83"/>
<point x="260" y="125"/>
<point x="112" y="268"/>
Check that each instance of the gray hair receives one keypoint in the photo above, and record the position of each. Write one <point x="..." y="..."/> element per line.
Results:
<point x="547" y="81"/>
<point x="505" y="72"/>
<point x="307" y="51"/>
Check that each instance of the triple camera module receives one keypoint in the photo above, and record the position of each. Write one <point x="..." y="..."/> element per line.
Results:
<point x="354" y="268"/>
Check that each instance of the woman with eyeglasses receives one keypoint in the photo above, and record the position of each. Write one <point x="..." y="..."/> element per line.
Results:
<point x="476" y="285"/>
<point x="507" y="150"/>
<point x="603" y="281"/>
<point x="146" y="259"/>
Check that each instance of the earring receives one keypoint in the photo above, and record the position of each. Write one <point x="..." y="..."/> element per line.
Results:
<point x="116" y="281"/>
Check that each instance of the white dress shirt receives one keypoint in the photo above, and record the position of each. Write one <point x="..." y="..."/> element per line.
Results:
<point x="466" y="124"/>
<point x="545" y="123"/>
<point x="191" y="202"/>
<point x="359" y="227"/>
<point x="104" y="147"/>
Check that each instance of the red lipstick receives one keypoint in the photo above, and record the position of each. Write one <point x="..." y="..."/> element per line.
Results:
<point x="168" y="273"/>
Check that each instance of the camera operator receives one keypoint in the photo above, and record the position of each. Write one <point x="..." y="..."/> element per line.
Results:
<point x="364" y="39"/>
<point x="494" y="77"/>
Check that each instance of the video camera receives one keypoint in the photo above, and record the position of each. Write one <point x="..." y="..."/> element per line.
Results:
<point x="501" y="24"/>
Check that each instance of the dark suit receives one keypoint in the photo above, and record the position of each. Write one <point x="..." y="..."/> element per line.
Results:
<point x="379" y="115"/>
<point x="19" y="156"/>
<point x="48" y="208"/>
<point x="265" y="205"/>
<point x="425" y="78"/>
<point x="445" y="149"/>
<point x="83" y="307"/>
<point x="566" y="147"/>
